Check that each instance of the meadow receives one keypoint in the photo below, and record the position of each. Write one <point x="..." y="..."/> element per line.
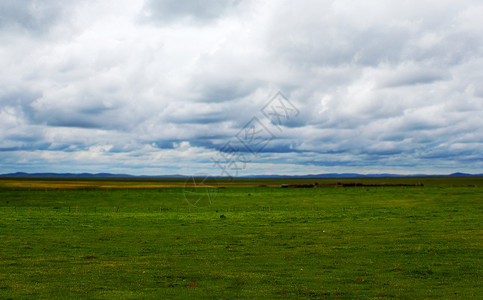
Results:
<point x="141" y="239"/>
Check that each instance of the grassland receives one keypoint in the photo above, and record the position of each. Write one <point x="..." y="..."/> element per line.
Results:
<point x="103" y="239"/>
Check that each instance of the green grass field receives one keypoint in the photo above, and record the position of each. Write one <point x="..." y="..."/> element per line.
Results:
<point x="139" y="239"/>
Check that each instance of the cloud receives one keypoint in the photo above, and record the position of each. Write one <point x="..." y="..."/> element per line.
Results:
<point x="413" y="75"/>
<point x="161" y="86"/>
<point x="31" y="16"/>
<point x="342" y="32"/>
<point x="167" y="11"/>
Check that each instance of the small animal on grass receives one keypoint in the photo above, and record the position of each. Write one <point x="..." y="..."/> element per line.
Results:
<point x="222" y="217"/>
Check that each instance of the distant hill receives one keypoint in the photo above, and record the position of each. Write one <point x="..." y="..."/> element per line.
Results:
<point x="356" y="175"/>
<point x="458" y="174"/>
<point x="325" y="175"/>
<point x="332" y="175"/>
<point x="68" y="175"/>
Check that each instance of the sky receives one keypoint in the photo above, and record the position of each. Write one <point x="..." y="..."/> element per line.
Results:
<point x="241" y="87"/>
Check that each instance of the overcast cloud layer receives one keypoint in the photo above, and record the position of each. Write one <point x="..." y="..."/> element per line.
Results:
<point x="159" y="87"/>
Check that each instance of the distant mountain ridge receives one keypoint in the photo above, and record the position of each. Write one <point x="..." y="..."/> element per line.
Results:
<point x="63" y="175"/>
<point x="357" y="175"/>
<point x="325" y="175"/>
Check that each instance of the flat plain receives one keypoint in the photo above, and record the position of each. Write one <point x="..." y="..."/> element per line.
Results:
<point x="141" y="239"/>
